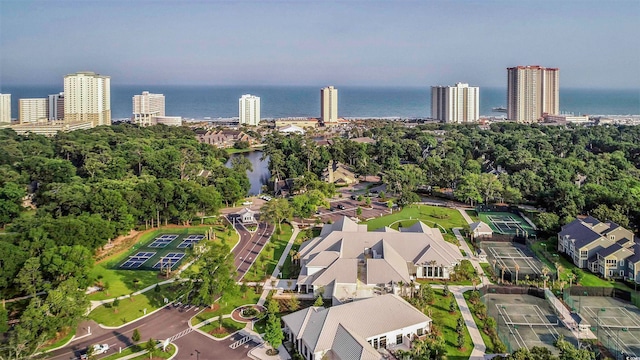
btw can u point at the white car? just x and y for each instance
(100, 349)
(247, 203)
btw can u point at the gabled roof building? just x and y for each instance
(355, 330)
(348, 262)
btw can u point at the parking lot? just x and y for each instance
(349, 207)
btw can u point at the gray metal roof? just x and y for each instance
(580, 232)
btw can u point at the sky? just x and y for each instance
(596, 44)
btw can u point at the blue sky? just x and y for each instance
(596, 44)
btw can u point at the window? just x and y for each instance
(621, 263)
(420, 332)
(399, 339)
(375, 343)
(584, 253)
(621, 272)
(383, 342)
(611, 262)
(610, 272)
(612, 237)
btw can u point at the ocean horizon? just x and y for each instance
(200, 101)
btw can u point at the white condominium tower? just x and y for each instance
(146, 107)
(249, 110)
(56, 107)
(329, 105)
(5, 108)
(87, 98)
(531, 92)
(33, 110)
(455, 104)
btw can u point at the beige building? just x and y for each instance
(455, 104)
(329, 105)
(33, 110)
(5, 108)
(87, 98)
(50, 128)
(532, 91)
(147, 106)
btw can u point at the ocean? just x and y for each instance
(303, 101)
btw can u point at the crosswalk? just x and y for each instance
(180, 334)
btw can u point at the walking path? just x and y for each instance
(464, 214)
(274, 276)
(479, 347)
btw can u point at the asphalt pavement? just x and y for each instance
(249, 246)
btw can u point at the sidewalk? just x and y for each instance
(274, 276)
(479, 347)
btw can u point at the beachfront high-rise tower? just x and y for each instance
(455, 104)
(87, 97)
(56, 107)
(249, 110)
(532, 91)
(329, 105)
(5, 108)
(33, 110)
(146, 107)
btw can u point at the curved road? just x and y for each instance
(173, 319)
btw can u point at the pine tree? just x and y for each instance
(136, 335)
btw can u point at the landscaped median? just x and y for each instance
(227, 304)
(270, 255)
(129, 309)
(171, 350)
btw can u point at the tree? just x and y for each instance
(216, 275)
(244, 289)
(151, 347)
(29, 278)
(115, 304)
(319, 301)
(548, 222)
(276, 211)
(452, 306)
(460, 342)
(445, 290)
(273, 331)
(545, 271)
(135, 336)
(4, 320)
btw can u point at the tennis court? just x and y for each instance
(189, 241)
(507, 223)
(525, 321)
(163, 240)
(135, 261)
(615, 323)
(169, 261)
(509, 256)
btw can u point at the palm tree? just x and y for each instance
(545, 271)
(401, 285)
(558, 269)
(571, 277)
(517, 267)
(503, 268)
(413, 286)
(494, 265)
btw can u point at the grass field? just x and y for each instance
(132, 308)
(123, 282)
(432, 216)
(447, 323)
(226, 306)
(269, 256)
(229, 326)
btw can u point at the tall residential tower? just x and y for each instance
(329, 105)
(33, 111)
(87, 98)
(56, 107)
(5, 108)
(532, 91)
(146, 107)
(455, 104)
(249, 110)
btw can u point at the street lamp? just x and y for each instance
(197, 354)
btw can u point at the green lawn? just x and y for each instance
(132, 308)
(473, 215)
(433, 216)
(123, 282)
(430, 215)
(302, 237)
(238, 151)
(61, 341)
(227, 305)
(229, 326)
(268, 258)
(486, 338)
(447, 323)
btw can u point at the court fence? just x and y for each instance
(569, 294)
(513, 290)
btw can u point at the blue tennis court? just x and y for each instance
(169, 260)
(137, 260)
(189, 241)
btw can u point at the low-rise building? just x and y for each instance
(224, 138)
(601, 247)
(337, 173)
(348, 262)
(355, 330)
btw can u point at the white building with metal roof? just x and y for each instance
(355, 330)
(347, 262)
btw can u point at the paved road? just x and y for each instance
(210, 349)
(249, 246)
(161, 325)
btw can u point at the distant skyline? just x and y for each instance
(595, 44)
